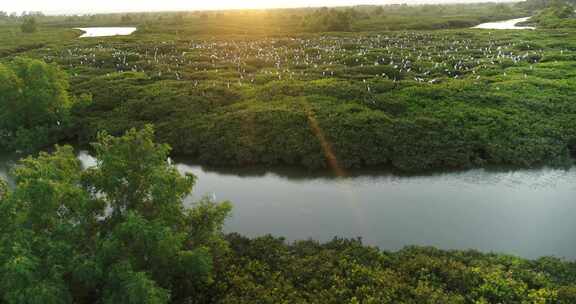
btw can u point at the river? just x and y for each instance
(529, 213)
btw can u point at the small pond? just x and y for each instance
(90, 32)
(506, 25)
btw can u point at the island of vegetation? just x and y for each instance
(412, 88)
(406, 87)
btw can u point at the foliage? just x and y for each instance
(329, 20)
(260, 87)
(34, 104)
(117, 232)
(276, 22)
(475, 98)
(269, 270)
(268, 87)
(557, 14)
(29, 25)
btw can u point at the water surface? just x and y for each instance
(529, 213)
(106, 31)
(506, 25)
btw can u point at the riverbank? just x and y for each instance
(150, 224)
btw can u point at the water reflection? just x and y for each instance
(524, 212)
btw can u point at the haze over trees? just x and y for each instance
(29, 25)
(558, 14)
(330, 20)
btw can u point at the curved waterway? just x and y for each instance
(506, 25)
(90, 32)
(529, 213)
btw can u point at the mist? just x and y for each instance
(110, 6)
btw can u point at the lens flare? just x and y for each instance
(324, 143)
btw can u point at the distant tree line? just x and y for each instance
(536, 5)
(330, 20)
(556, 14)
(29, 25)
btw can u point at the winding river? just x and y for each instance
(529, 213)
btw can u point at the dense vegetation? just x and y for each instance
(294, 21)
(119, 233)
(262, 87)
(267, 87)
(29, 25)
(557, 15)
(34, 104)
(116, 233)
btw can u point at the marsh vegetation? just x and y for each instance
(408, 88)
(241, 88)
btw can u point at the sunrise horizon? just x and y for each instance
(61, 8)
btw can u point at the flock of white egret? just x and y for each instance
(415, 56)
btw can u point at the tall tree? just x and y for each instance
(116, 233)
(29, 25)
(34, 101)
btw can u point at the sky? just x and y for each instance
(103, 6)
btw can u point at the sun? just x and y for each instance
(253, 4)
(263, 4)
(72, 6)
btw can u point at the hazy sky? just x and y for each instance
(93, 6)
